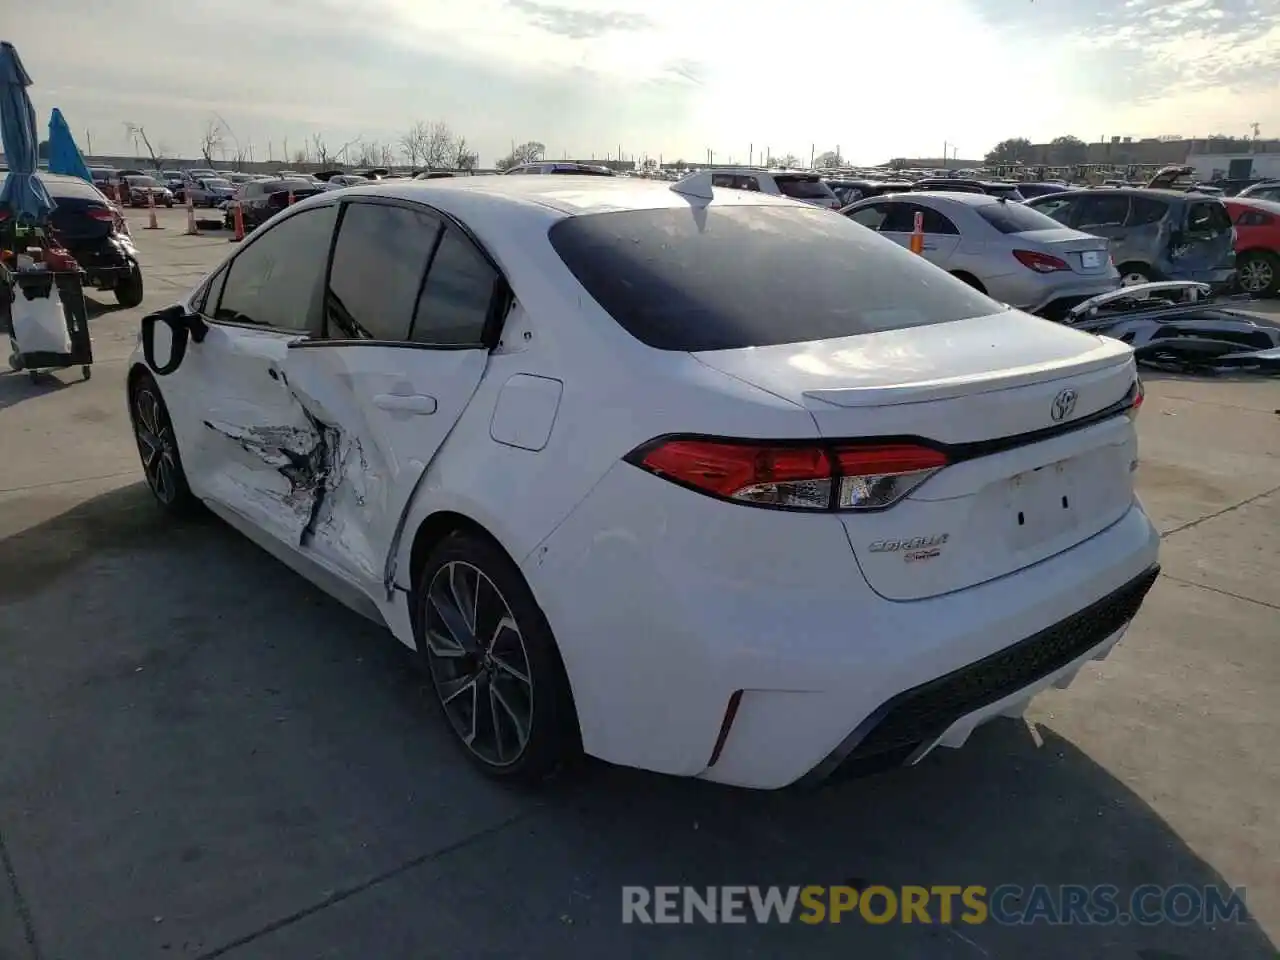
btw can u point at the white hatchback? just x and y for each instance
(709, 483)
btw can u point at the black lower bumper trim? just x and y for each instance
(917, 717)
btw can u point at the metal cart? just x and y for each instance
(70, 285)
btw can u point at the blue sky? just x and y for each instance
(670, 77)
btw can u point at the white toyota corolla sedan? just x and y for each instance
(705, 482)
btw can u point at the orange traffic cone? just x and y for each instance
(192, 229)
(917, 234)
(152, 222)
(239, 222)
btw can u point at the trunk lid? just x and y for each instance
(1023, 485)
(1086, 254)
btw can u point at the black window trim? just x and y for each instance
(499, 304)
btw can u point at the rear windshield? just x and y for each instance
(67, 188)
(1008, 191)
(803, 188)
(726, 277)
(1010, 217)
(143, 181)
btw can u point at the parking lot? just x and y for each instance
(205, 756)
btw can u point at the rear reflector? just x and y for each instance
(1139, 395)
(1041, 262)
(843, 476)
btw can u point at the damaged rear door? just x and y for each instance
(410, 304)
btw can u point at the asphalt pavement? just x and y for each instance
(201, 755)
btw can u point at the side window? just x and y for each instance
(378, 263)
(935, 222)
(748, 183)
(871, 216)
(1252, 218)
(1145, 210)
(275, 281)
(901, 218)
(1059, 209)
(1208, 219)
(1103, 211)
(723, 180)
(458, 294)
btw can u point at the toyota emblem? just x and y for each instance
(1063, 405)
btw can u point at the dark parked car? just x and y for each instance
(260, 200)
(89, 226)
(995, 188)
(140, 188)
(1154, 234)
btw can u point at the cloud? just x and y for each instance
(579, 24)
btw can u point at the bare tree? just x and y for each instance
(529, 152)
(413, 141)
(438, 147)
(386, 155)
(320, 150)
(212, 139)
(464, 158)
(159, 152)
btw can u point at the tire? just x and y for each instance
(1132, 274)
(971, 280)
(1258, 273)
(501, 657)
(129, 289)
(168, 205)
(158, 448)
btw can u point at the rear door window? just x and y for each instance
(1058, 209)
(1145, 210)
(391, 244)
(741, 276)
(871, 216)
(458, 296)
(1103, 211)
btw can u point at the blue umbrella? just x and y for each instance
(64, 156)
(22, 192)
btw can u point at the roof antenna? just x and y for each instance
(695, 185)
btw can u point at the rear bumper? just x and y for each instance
(1043, 297)
(667, 606)
(945, 710)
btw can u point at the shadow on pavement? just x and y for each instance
(17, 385)
(204, 756)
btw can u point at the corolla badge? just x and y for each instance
(1064, 404)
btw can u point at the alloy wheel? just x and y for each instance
(479, 663)
(156, 445)
(1256, 275)
(1132, 280)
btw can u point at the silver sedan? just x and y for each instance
(1012, 253)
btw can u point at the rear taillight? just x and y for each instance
(837, 476)
(1139, 394)
(1041, 262)
(101, 213)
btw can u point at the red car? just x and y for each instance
(1257, 224)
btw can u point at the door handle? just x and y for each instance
(414, 403)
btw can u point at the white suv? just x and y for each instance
(796, 184)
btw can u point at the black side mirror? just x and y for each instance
(180, 326)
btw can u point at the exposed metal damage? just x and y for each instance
(321, 463)
(1181, 326)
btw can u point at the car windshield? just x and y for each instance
(726, 277)
(803, 188)
(1008, 217)
(143, 182)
